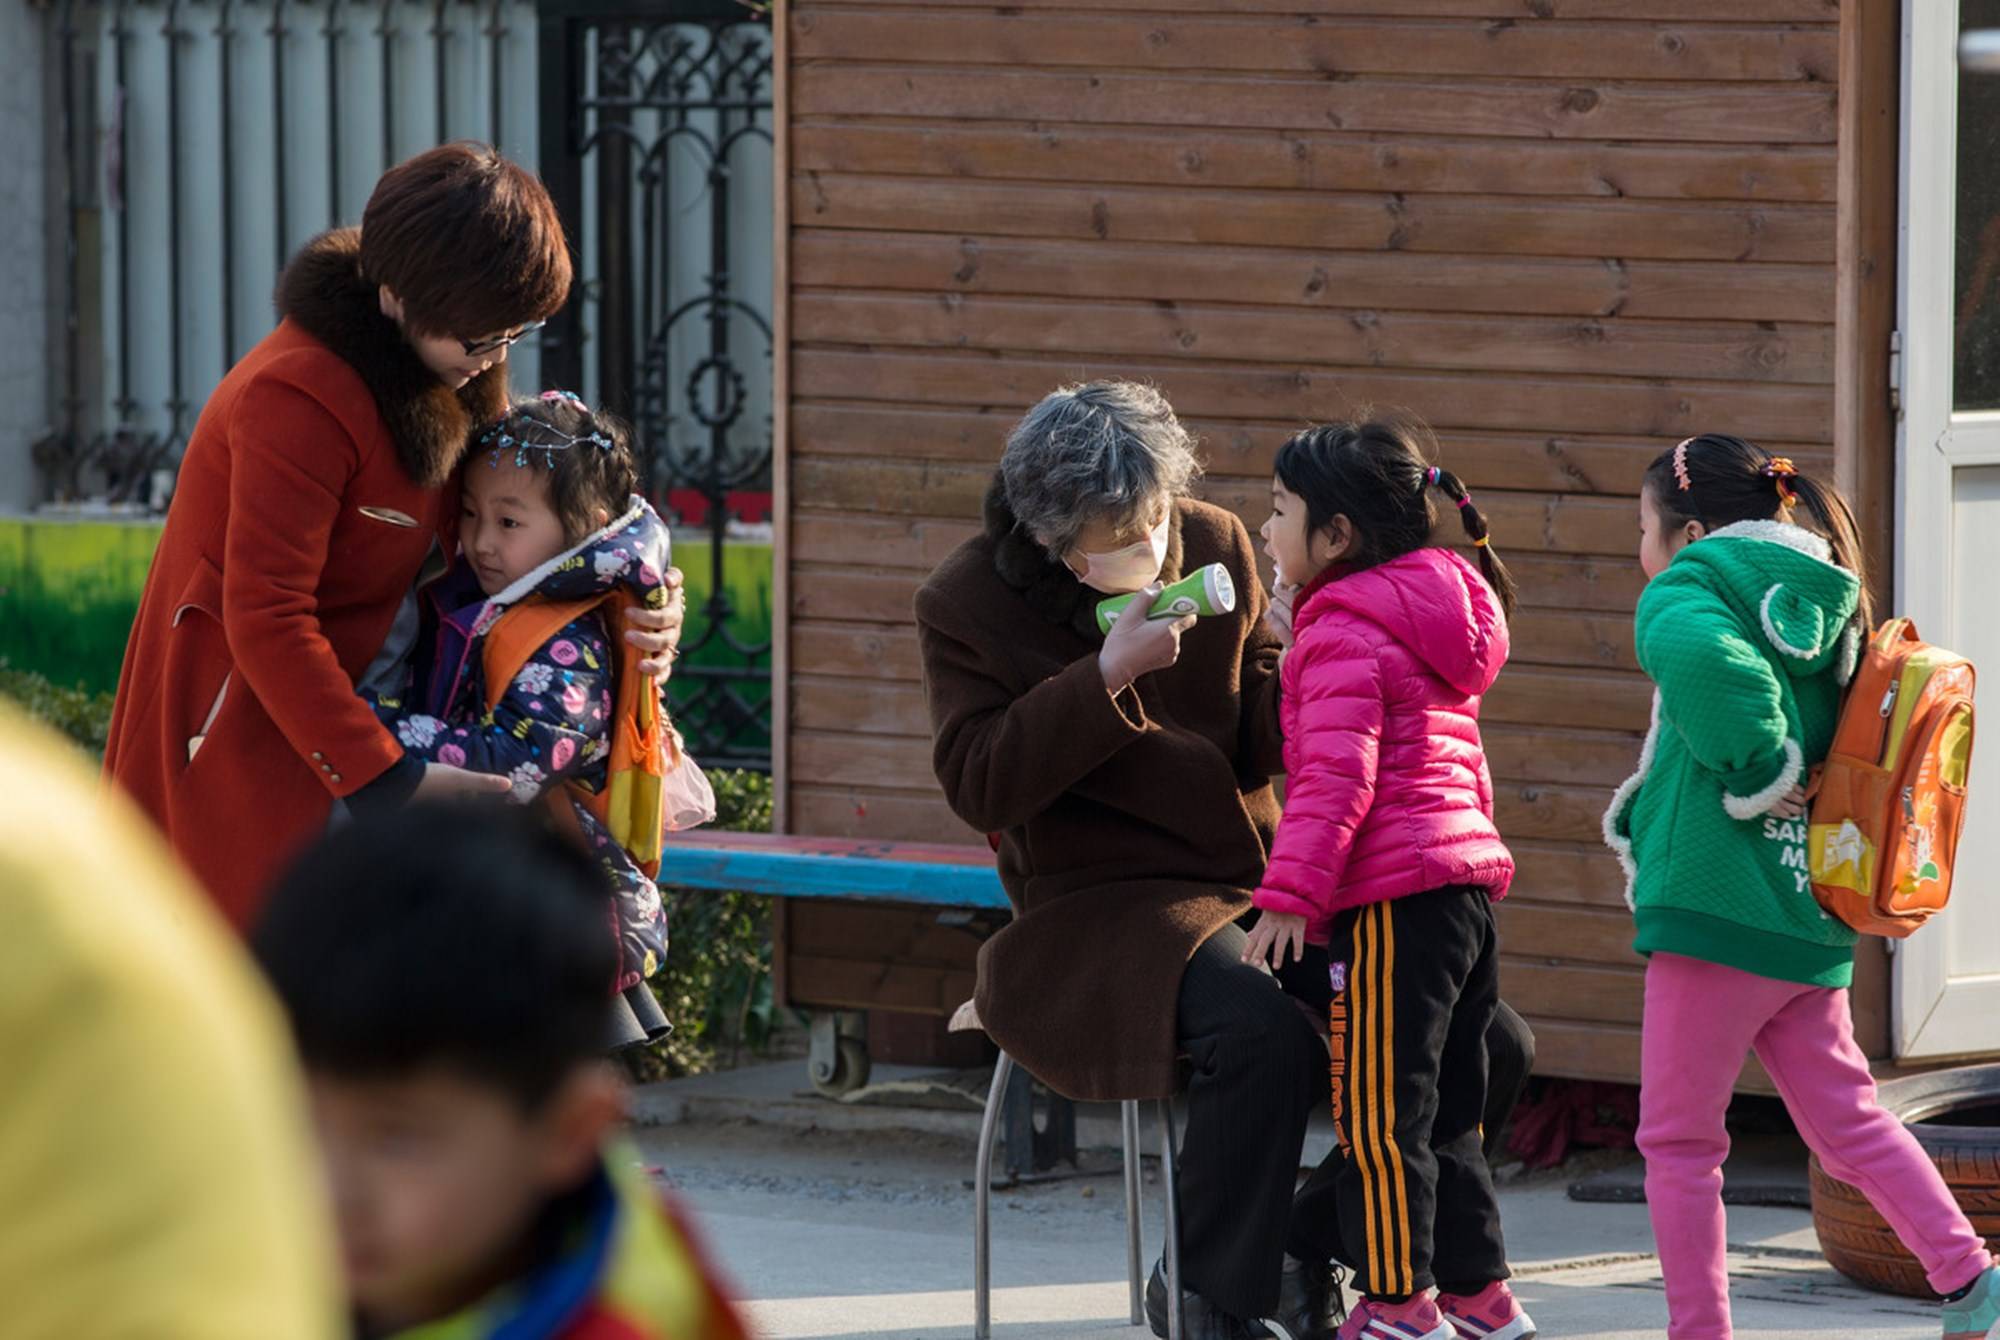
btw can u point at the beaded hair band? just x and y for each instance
(550, 439)
(1681, 466)
(1781, 471)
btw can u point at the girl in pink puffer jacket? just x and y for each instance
(1388, 855)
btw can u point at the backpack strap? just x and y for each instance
(521, 632)
(632, 805)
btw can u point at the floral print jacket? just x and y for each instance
(552, 724)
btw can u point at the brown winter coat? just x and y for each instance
(1131, 828)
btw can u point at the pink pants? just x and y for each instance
(1700, 1020)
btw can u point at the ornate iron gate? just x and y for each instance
(655, 143)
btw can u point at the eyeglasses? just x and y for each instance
(474, 348)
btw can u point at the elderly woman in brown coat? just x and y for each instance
(1128, 780)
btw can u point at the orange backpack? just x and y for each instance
(1890, 802)
(632, 806)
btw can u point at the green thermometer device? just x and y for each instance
(1208, 590)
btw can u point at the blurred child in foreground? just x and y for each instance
(445, 973)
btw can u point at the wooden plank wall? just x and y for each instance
(1568, 232)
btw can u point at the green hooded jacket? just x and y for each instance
(1750, 638)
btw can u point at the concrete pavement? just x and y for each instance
(861, 1226)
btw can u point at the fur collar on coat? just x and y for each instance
(324, 292)
(1046, 583)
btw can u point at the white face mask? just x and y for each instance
(1126, 570)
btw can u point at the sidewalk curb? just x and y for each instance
(658, 1105)
(1098, 1125)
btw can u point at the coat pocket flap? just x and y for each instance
(203, 592)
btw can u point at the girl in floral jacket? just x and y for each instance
(537, 534)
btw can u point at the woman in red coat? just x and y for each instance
(312, 497)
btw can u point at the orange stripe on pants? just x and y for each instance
(1399, 1190)
(1377, 1158)
(1368, 1104)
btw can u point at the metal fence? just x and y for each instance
(200, 142)
(657, 135)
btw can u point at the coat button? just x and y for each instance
(335, 777)
(317, 756)
(326, 767)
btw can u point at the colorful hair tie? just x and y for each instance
(1434, 478)
(1681, 466)
(1781, 471)
(1482, 542)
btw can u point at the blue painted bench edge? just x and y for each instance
(795, 875)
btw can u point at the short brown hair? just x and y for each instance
(586, 454)
(469, 241)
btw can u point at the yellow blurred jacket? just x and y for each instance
(156, 1178)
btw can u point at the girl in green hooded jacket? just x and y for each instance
(1750, 627)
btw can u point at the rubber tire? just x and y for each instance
(1856, 1240)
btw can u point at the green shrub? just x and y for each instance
(716, 986)
(82, 715)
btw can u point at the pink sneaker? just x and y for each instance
(1490, 1314)
(1418, 1319)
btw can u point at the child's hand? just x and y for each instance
(1272, 934)
(1278, 618)
(1793, 805)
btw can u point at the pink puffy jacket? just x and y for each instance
(1387, 791)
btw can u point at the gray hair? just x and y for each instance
(1102, 450)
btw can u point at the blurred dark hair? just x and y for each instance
(1376, 472)
(585, 476)
(1731, 480)
(470, 938)
(470, 241)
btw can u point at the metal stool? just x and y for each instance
(982, 1278)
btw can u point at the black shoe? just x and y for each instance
(1309, 1303)
(1202, 1320)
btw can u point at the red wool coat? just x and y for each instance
(309, 496)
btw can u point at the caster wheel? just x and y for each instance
(838, 1064)
(848, 1072)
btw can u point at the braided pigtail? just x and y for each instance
(1479, 533)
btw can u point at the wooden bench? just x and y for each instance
(859, 926)
(812, 867)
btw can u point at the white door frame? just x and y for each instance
(1929, 1016)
